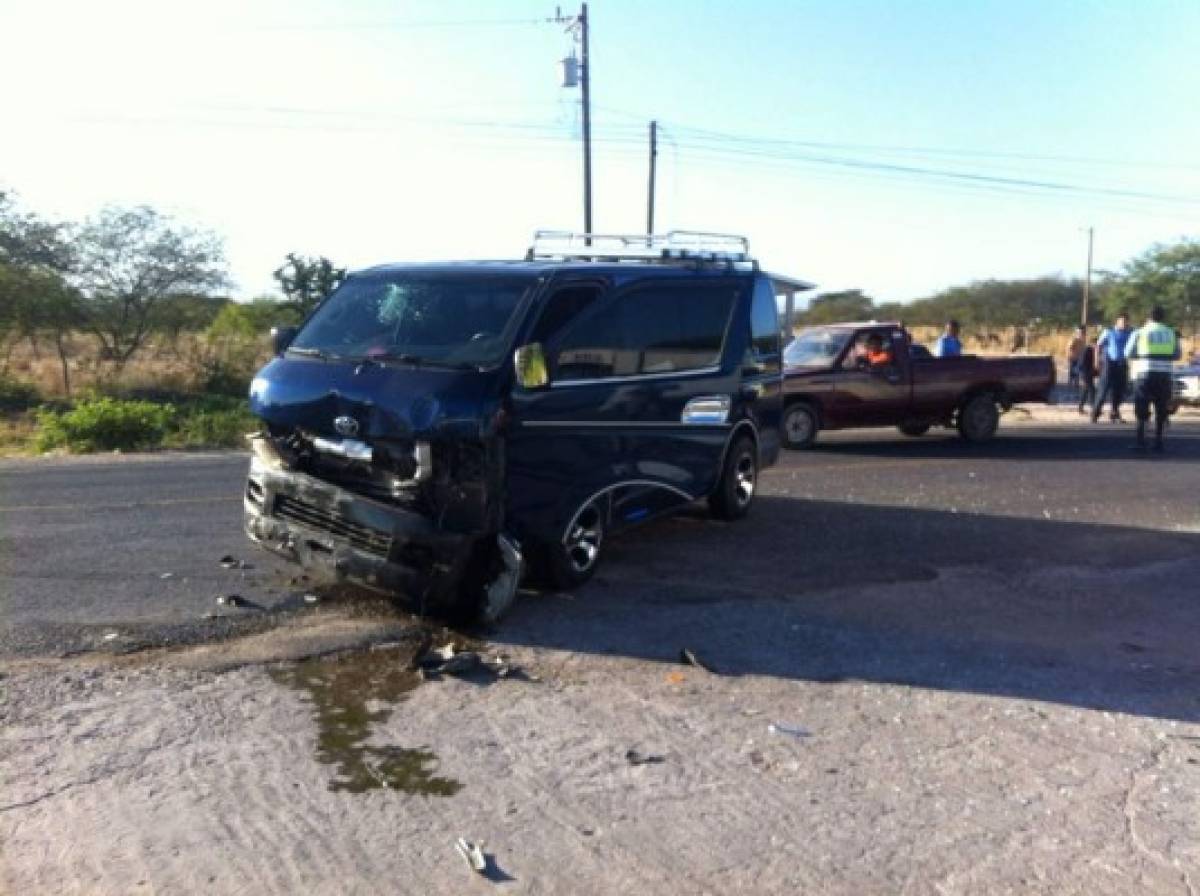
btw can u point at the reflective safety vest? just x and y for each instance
(1153, 349)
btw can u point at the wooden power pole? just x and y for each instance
(653, 161)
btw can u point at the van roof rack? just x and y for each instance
(675, 247)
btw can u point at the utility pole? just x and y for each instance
(587, 121)
(1087, 283)
(579, 73)
(653, 160)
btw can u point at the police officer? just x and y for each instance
(1152, 352)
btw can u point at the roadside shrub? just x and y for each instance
(210, 427)
(218, 378)
(17, 396)
(104, 424)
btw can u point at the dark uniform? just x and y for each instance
(1152, 352)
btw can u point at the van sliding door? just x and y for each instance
(612, 426)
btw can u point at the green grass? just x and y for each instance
(103, 423)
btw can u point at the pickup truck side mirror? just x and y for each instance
(281, 338)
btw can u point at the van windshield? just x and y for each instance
(457, 321)
(817, 347)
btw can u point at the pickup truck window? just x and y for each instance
(873, 348)
(658, 328)
(817, 347)
(419, 319)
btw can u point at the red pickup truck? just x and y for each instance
(852, 375)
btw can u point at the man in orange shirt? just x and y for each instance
(877, 355)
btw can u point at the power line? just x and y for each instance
(400, 25)
(619, 137)
(718, 136)
(983, 178)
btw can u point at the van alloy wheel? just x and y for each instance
(582, 544)
(734, 491)
(745, 478)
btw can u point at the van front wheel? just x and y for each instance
(489, 587)
(739, 479)
(572, 561)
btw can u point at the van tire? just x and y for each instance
(735, 490)
(560, 565)
(799, 425)
(978, 418)
(489, 585)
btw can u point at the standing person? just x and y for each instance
(1074, 352)
(1114, 369)
(948, 344)
(1152, 351)
(1087, 373)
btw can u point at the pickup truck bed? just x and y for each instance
(830, 384)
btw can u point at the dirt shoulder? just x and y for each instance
(207, 769)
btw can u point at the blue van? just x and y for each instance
(437, 429)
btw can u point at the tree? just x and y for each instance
(308, 281)
(34, 296)
(30, 242)
(1163, 275)
(185, 313)
(832, 307)
(127, 260)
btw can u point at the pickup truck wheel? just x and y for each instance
(914, 429)
(799, 426)
(739, 479)
(979, 418)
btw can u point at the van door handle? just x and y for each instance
(712, 410)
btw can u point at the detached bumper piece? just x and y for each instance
(346, 537)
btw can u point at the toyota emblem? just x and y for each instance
(346, 426)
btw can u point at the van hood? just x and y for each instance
(385, 401)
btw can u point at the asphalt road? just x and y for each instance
(114, 553)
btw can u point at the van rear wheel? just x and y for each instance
(739, 480)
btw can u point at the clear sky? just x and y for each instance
(846, 139)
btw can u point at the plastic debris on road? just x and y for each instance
(473, 854)
(689, 659)
(790, 730)
(637, 757)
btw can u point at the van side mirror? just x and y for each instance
(281, 338)
(530, 363)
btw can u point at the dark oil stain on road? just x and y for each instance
(349, 695)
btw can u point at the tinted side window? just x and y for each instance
(563, 306)
(656, 328)
(764, 327)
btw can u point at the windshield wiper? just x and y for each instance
(307, 352)
(417, 361)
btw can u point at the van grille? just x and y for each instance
(365, 538)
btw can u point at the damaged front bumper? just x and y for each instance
(344, 536)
